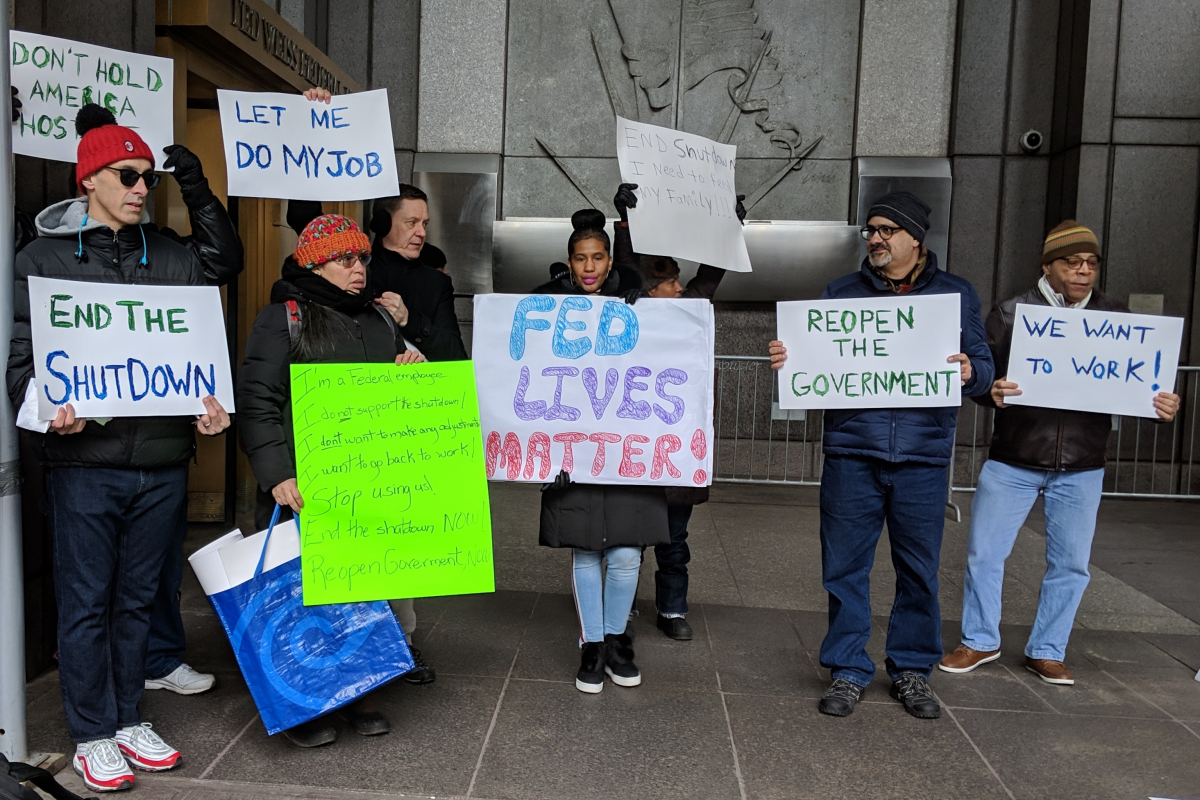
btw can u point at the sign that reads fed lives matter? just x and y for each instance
(283, 146)
(612, 393)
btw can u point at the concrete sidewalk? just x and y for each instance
(731, 714)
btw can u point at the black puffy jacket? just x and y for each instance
(1043, 438)
(264, 383)
(429, 296)
(115, 257)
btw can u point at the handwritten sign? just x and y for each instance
(283, 146)
(55, 77)
(120, 350)
(870, 353)
(1102, 361)
(389, 462)
(609, 392)
(686, 195)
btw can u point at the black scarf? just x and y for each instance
(318, 290)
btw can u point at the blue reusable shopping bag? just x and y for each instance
(304, 661)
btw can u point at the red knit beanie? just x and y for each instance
(103, 142)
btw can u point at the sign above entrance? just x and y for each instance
(55, 77)
(287, 147)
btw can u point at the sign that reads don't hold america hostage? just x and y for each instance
(118, 350)
(870, 352)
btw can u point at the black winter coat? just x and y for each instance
(1043, 438)
(133, 442)
(429, 296)
(264, 382)
(595, 516)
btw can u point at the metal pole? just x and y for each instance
(12, 593)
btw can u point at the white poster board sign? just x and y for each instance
(121, 350)
(283, 146)
(1103, 361)
(879, 352)
(55, 77)
(610, 392)
(686, 195)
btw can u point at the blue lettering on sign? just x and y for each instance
(563, 347)
(373, 165)
(606, 343)
(522, 322)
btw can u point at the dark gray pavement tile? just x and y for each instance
(788, 750)
(1044, 755)
(995, 685)
(437, 733)
(1185, 649)
(1094, 694)
(200, 726)
(1173, 689)
(1113, 650)
(552, 741)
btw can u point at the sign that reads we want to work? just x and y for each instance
(870, 353)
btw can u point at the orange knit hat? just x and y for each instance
(329, 237)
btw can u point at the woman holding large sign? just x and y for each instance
(323, 310)
(599, 522)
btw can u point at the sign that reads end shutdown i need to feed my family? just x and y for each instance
(1102, 361)
(55, 77)
(389, 461)
(686, 195)
(117, 350)
(283, 146)
(610, 392)
(870, 353)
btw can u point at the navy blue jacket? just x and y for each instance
(923, 435)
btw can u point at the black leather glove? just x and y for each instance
(625, 199)
(740, 209)
(16, 104)
(189, 174)
(561, 481)
(632, 296)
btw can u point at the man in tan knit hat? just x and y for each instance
(1056, 453)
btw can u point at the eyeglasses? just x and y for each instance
(1074, 262)
(885, 231)
(347, 261)
(130, 177)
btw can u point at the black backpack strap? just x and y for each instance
(40, 778)
(388, 317)
(293, 319)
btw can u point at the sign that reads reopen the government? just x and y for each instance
(283, 146)
(118, 350)
(55, 77)
(870, 352)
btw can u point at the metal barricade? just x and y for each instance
(757, 442)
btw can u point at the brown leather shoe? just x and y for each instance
(964, 659)
(1050, 671)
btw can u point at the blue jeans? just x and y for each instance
(1002, 502)
(671, 578)
(164, 651)
(604, 606)
(857, 496)
(112, 530)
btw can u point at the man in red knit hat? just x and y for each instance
(116, 489)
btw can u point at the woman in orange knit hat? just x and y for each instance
(324, 309)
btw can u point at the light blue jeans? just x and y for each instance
(1002, 502)
(603, 606)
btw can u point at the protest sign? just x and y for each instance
(55, 77)
(283, 146)
(878, 352)
(609, 392)
(389, 461)
(1103, 361)
(686, 196)
(122, 350)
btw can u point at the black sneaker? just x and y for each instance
(314, 733)
(619, 660)
(676, 628)
(421, 672)
(840, 698)
(913, 690)
(590, 677)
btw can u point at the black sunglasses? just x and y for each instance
(130, 177)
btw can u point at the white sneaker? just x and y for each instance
(145, 749)
(184, 680)
(102, 766)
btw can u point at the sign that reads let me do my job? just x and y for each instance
(870, 352)
(286, 147)
(1102, 361)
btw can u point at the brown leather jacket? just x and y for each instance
(1043, 438)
